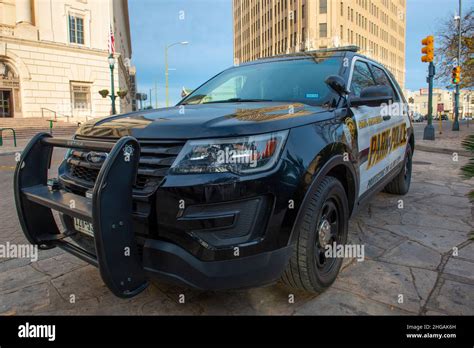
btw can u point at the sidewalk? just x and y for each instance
(448, 142)
(8, 149)
(409, 266)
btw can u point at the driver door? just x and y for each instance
(372, 129)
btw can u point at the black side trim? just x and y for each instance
(379, 186)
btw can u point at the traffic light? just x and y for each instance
(456, 75)
(428, 50)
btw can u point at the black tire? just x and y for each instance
(305, 270)
(400, 185)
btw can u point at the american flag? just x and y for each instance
(111, 41)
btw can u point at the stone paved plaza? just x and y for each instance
(409, 266)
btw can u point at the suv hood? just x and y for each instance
(205, 121)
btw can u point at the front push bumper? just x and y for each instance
(109, 210)
(125, 262)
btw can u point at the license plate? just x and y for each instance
(84, 227)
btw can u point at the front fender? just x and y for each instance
(317, 150)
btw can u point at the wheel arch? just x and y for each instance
(340, 169)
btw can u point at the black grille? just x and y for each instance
(83, 173)
(156, 158)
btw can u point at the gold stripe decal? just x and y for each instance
(383, 143)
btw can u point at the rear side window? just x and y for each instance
(381, 78)
(361, 78)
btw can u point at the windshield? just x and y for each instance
(298, 80)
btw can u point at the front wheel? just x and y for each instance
(322, 222)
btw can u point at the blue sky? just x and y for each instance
(423, 19)
(207, 25)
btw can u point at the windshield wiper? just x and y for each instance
(236, 100)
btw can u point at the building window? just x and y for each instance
(81, 96)
(76, 30)
(323, 6)
(323, 30)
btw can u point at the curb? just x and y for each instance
(445, 151)
(9, 153)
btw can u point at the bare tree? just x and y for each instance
(447, 49)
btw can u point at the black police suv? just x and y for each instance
(248, 180)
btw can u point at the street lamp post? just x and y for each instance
(155, 89)
(112, 86)
(456, 98)
(156, 95)
(166, 67)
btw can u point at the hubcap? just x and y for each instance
(328, 232)
(324, 232)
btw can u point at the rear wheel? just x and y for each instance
(322, 222)
(400, 185)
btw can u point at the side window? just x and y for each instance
(361, 78)
(382, 79)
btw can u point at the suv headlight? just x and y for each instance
(242, 155)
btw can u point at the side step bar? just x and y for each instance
(109, 210)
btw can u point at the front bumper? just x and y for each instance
(173, 264)
(194, 246)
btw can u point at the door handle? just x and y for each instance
(386, 117)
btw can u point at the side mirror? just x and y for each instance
(373, 96)
(337, 84)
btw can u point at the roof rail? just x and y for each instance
(351, 48)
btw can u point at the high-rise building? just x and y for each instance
(264, 28)
(54, 58)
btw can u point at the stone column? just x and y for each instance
(23, 11)
(24, 27)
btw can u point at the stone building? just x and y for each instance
(54, 58)
(443, 99)
(265, 28)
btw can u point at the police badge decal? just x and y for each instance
(350, 130)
